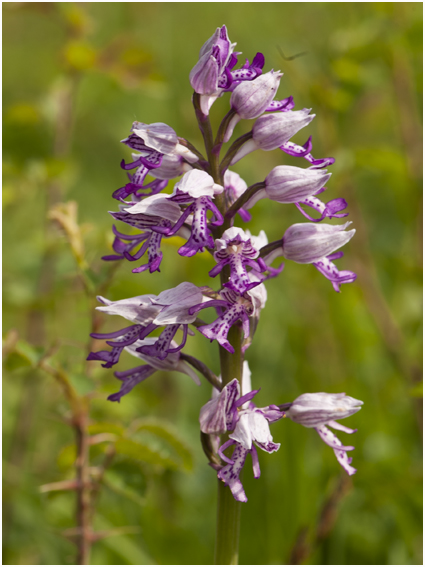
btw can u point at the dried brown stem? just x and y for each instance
(83, 511)
(307, 541)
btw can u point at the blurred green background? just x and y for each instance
(75, 78)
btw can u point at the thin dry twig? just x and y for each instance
(309, 539)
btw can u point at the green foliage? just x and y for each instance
(21, 355)
(76, 75)
(140, 452)
(171, 437)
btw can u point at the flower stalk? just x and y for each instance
(227, 528)
(228, 509)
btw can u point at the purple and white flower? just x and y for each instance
(272, 130)
(130, 378)
(214, 57)
(321, 410)
(155, 228)
(140, 311)
(158, 137)
(250, 99)
(213, 74)
(148, 312)
(235, 249)
(171, 167)
(192, 213)
(196, 189)
(235, 307)
(229, 411)
(150, 239)
(153, 141)
(306, 243)
(288, 184)
(156, 216)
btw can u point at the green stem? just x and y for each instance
(231, 364)
(268, 248)
(228, 509)
(205, 127)
(228, 521)
(203, 369)
(244, 198)
(233, 150)
(218, 142)
(191, 147)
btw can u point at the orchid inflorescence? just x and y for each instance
(202, 209)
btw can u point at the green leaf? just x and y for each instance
(127, 479)
(140, 452)
(124, 546)
(22, 355)
(169, 434)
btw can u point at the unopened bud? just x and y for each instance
(308, 242)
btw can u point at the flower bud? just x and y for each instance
(213, 57)
(271, 131)
(306, 243)
(313, 410)
(251, 98)
(288, 184)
